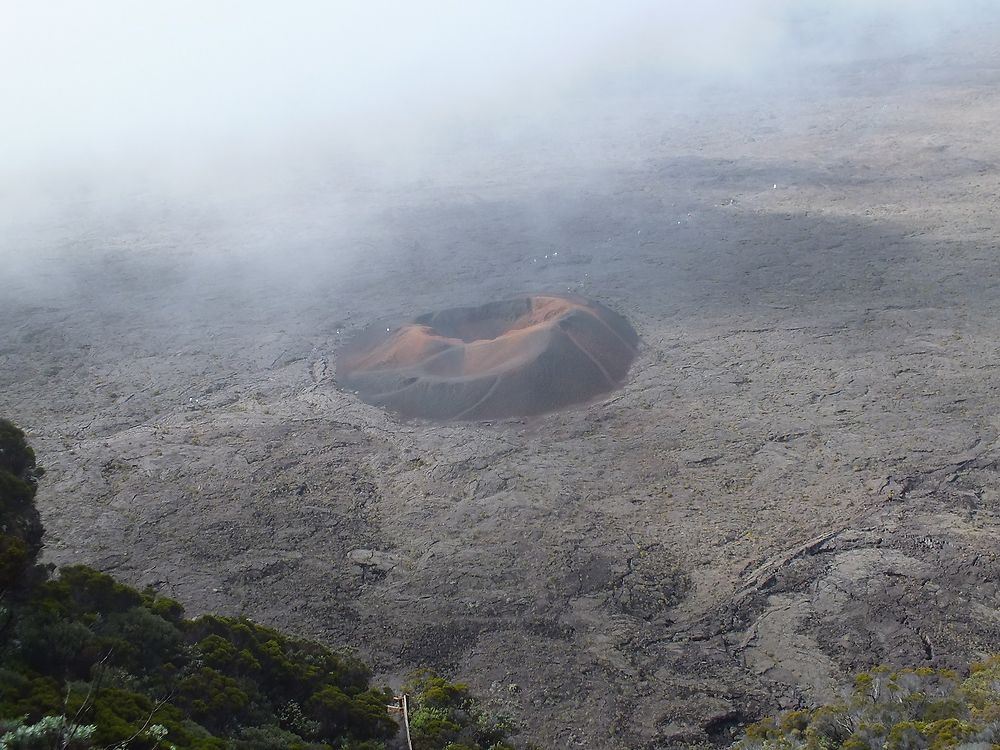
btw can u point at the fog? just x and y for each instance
(127, 87)
(240, 105)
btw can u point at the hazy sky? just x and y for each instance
(123, 86)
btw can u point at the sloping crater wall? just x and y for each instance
(516, 357)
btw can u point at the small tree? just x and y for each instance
(51, 732)
(20, 525)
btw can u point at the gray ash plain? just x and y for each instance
(799, 479)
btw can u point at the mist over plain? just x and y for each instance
(245, 120)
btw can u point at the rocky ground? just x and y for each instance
(798, 481)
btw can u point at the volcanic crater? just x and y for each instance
(516, 357)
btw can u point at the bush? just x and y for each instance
(128, 661)
(445, 715)
(909, 709)
(46, 733)
(20, 525)
(16, 456)
(204, 680)
(131, 669)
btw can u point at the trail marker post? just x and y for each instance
(401, 705)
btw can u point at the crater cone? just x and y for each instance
(516, 357)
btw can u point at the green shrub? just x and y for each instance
(127, 661)
(20, 525)
(909, 709)
(16, 456)
(14, 556)
(47, 733)
(445, 715)
(273, 738)
(129, 667)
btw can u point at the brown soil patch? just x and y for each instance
(521, 356)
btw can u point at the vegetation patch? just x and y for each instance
(86, 662)
(908, 709)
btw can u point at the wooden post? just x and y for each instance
(403, 707)
(406, 720)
